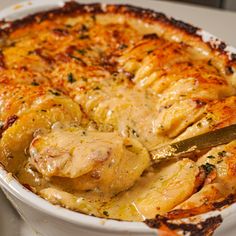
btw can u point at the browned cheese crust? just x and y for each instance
(126, 72)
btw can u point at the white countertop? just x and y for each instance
(10, 221)
(218, 22)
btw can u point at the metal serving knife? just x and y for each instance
(194, 145)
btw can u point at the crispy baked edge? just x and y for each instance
(72, 8)
(188, 31)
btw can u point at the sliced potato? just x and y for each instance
(16, 139)
(218, 114)
(157, 192)
(221, 159)
(170, 186)
(208, 194)
(65, 199)
(89, 159)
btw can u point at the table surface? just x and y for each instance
(217, 22)
(10, 221)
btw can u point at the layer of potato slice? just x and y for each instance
(208, 194)
(89, 160)
(68, 200)
(174, 69)
(220, 179)
(16, 139)
(171, 186)
(129, 110)
(222, 160)
(217, 114)
(157, 192)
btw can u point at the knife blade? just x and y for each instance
(194, 145)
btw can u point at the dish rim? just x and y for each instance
(10, 184)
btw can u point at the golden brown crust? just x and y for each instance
(202, 228)
(205, 207)
(73, 8)
(70, 71)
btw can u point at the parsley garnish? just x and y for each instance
(84, 78)
(71, 78)
(149, 51)
(133, 132)
(122, 46)
(84, 28)
(78, 59)
(210, 157)
(84, 36)
(96, 88)
(208, 168)
(54, 92)
(93, 17)
(81, 51)
(34, 83)
(222, 154)
(129, 146)
(209, 119)
(105, 213)
(199, 125)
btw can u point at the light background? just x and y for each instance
(218, 22)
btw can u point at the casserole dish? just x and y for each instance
(51, 220)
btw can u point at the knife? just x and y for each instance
(194, 145)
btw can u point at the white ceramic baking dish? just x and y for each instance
(49, 220)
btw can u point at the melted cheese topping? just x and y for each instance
(83, 101)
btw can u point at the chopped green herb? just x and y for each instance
(84, 78)
(209, 62)
(209, 119)
(210, 157)
(84, 28)
(93, 17)
(222, 154)
(34, 83)
(68, 26)
(134, 133)
(199, 125)
(96, 88)
(54, 92)
(129, 146)
(81, 51)
(71, 78)
(78, 59)
(122, 46)
(30, 52)
(105, 213)
(83, 36)
(208, 168)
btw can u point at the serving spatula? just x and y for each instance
(194, 145)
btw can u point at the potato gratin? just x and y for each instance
(87, 90)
